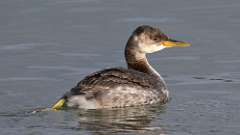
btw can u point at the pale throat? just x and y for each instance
(138, 61)
(135, 54)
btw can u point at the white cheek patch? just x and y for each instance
(151, 48)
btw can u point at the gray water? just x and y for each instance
(47, 46)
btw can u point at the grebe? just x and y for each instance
(139, 84)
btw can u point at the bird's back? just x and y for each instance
(118, 87)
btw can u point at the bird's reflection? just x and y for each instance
(130, 119)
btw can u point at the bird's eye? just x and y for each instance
(155, 39)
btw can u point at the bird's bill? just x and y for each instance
(174, 43)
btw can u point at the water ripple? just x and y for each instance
(24, 46)
(152, 20)
(28, 79)
(68, 68)
(81, 54)
(206, 79)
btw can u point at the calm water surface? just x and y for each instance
(46, 47)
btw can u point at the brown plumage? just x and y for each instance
(97, 85)
(139, 84)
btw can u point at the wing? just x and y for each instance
(114, 77)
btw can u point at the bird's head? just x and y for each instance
(147, 39)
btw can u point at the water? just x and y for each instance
(47, 46)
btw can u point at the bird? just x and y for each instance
(138, 84)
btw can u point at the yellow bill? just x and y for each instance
(59, 104)
(174, 43)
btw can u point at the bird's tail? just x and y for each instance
(59, 104)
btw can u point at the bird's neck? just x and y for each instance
(138, 61)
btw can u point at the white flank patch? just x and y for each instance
(82, 102)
